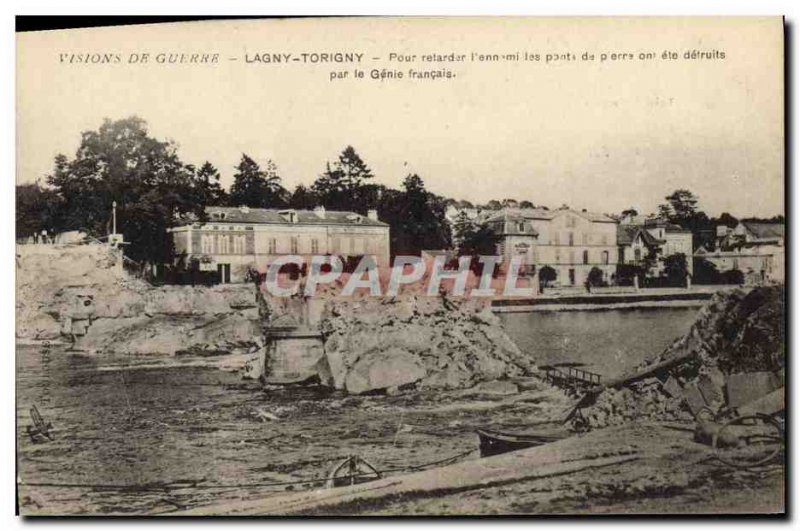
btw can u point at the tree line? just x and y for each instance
(154, 189)
(122, 162)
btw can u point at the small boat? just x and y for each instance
(495, 443)
(352, 471)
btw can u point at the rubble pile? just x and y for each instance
(81, 294)
(416, 341)
(734, 353)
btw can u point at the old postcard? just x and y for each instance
(401, 266)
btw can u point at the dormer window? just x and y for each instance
(288, 215)
(219, 215)
(354, 218)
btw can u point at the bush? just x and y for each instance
(734, 276)
(595, 278)
(547, 275)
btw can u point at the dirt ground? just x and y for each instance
(139, 436)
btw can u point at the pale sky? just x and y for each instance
(602, 136)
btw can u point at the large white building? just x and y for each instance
(235, 239)
(569, 241)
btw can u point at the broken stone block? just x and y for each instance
(747, 387)
(673, 388)
(694, 398)
(394, 367)
(711, 392)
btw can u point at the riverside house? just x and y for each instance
(639, 238)
(754, 248)
(235, 239)
(569, 241)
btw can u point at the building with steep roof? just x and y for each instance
(755, 248)
(569, 241)
(639, 238)
(235, 239)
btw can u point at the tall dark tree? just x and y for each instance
(727, 220)
(682, 204)
(303, 198)
(208, 182)
(682, 209)
(344, 184)
(152, 187)
(256, 187)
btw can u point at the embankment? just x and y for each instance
(81, 294)
(735, 352)
(369, 344)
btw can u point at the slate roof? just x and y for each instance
(626, 235)
(541, 213)
(274, 216)
(765, 231)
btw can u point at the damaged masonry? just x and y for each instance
(384, 266)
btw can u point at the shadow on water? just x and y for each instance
(609, 342)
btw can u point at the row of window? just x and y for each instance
(223, 244)
(570, 239)
(570, 258)
(236, 244)
(294, 245)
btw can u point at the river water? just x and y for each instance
(125, 427)
(609, 342)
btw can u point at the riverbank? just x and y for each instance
(642, 468)
(600, 299)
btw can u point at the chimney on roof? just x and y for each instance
(320, 212)
(372, 214)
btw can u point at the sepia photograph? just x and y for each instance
(401, 266)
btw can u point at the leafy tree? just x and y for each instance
(494, 204)
(630, 212)
(510, 203)
(526, 204)
(675, 269)
(343, 185)
(152, 187)
(774, 219)
(683, 204)
(255, 187)
(478, 240)
(37, 209)
(681, 209)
